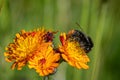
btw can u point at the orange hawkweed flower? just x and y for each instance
(72, 52)
(45, 61)
(25, 46)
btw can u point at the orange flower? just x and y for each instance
(45, 61)
(73, 53)
(25, 46)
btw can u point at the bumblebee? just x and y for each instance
(84, 41)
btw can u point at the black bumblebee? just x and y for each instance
(85, 41)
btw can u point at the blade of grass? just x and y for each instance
(96, 57)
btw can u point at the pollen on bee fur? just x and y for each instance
(84, 40)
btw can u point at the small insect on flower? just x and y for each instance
(49, 36)
(84, 40)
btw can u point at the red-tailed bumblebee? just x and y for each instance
(84, 41)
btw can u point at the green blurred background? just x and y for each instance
(99, 19)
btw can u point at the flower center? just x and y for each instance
(42, 61)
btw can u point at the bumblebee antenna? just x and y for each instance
(79, 26)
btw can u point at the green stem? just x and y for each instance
(46, 78)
